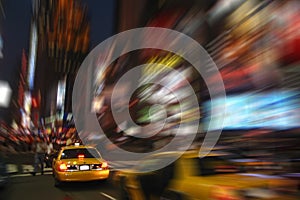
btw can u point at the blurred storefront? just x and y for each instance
(187, 17)
(63, 41)
(254, 45)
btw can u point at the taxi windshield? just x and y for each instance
(76, 153)
(152, 163)
(216, 165)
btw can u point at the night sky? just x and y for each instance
(102, 15)
(15, 33)
(15, 30)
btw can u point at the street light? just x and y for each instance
(5, 94)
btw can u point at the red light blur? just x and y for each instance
(104, 165)
(34, 103)
(62, 167)
(81, 156)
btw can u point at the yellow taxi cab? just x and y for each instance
(79, 163)
(192, 177)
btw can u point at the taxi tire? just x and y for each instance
(171, 195)
(123, 192)
(57, 183)
(102, 181)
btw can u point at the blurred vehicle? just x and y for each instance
(192, 177)
(3, 172)
(79, 163)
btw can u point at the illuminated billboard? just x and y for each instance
(278, 110)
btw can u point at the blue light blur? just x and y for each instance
(278, 110)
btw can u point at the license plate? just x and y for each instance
(84, 167)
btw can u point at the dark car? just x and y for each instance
(49, 158)
(3, 172)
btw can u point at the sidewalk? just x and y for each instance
(21, 162)
(22, 169)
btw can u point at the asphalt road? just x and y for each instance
(41, 187)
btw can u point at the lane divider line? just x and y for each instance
(107, 196)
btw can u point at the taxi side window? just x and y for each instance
(206, 166)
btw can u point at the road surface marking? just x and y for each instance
(20, 175)
(107, 196)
